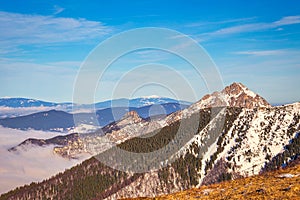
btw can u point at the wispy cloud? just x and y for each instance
(287, 21)
(197, 24)
(54, 68)
(8, 49)
(14, 112)
(21, 29)
(262, 52)
(295, 53)
(151, 55)
(252, 27)
(57, 9)
(66, 64)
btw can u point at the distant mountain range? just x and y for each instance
(123, 102)
(23, 102)
(61, 121)
(226, 135)
(14, 107)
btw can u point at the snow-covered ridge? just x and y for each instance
(151, 97)
(249, 140)
(254, 138)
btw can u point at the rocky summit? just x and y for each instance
(234, 95)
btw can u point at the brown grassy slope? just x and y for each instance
(280, 184)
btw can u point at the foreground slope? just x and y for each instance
(279, 184)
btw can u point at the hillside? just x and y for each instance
(92, 179)
(279, 184)
(193, 147)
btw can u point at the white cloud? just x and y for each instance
(35, 164)
(68, 67)
(21, 111)
(287, 21)
(22, 29)
(57, 9)
(150, 55)
(13, 112)
(241, 29)
(197, 24)
(284, 53)
(8, 49)
(252, 27)
(68, 64)
(262, 53)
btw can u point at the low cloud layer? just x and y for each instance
(14, 112)
(33, 164)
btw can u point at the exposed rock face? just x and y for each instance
(131, 117)
(131, 125)
(234, 95)
(241, 96)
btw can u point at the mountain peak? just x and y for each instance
(236, 89)
(130, 118)
(151, 97)
(234, 95)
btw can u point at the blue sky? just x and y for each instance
(43, 43)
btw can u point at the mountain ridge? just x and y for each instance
(17, 102)
(61, 121)
(219, 143)
(15, 107)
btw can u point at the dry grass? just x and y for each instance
(280, 184)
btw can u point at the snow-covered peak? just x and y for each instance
(24, 103)
(151, 97)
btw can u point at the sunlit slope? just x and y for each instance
(279, 184)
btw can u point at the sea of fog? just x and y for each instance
(33, 164)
